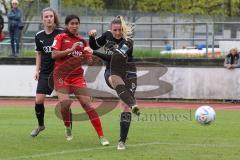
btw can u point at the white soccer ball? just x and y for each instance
(205, 115)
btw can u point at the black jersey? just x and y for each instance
(105, 38)
(44, 43)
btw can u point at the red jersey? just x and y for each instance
(71, 64)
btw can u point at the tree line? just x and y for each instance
(228, 8)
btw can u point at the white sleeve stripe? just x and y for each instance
(124, 55)
(131, 72)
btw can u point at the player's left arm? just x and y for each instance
(130, 50)
(103, 56)
(87, 53)
(57, 45)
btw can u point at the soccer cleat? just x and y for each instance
(104, 141)
(121, 146)
(136, 110)
(68, 134)
(37, 130)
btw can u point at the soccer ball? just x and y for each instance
(205, 115)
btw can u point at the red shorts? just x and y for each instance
(69, 84)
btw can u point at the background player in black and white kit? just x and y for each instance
(120, 73)
(44, 63)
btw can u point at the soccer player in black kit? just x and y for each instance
(44, 63)
(120, 73)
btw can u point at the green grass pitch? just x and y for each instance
(158, 134)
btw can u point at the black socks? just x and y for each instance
(125, 122)
(40, 110)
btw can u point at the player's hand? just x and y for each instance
(74, 46)
(36, 76)
(88, 55)
(92, 32)
(88, 50)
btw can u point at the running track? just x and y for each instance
(142, 104)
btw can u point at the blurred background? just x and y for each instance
(163, 28)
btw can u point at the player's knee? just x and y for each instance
(62, 107)
(115, 80)
(65, 104)
(126, 108)
(87, 107)
(39, 99)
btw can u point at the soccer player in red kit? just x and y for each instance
(70, 50)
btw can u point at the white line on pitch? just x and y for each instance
(110, 147)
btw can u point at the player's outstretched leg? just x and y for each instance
(127, 98)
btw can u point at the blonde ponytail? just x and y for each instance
(127, 29)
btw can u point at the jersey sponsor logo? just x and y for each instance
(108, 52)
(76, 53)
(47, 49)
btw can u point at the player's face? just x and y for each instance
(116, 31)
(48, 19)
(73, 26)
(233, 51)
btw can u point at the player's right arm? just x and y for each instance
(38, 58)
(96, 43)
(56, 54)
(38, 65)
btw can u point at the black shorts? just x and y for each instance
(118, 65)
(45, 85)
(130, 80)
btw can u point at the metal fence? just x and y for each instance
(155, 35)
(152, 30)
